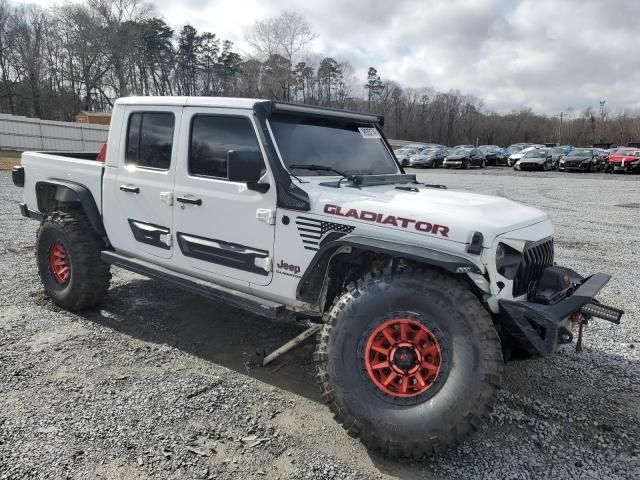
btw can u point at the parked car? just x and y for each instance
(603, 155)
(428, 157)
(464, 158)
(404, 154)
(624, 160)
(494, 154)
(514, 157)
(583, 159)
(557, 153)
(536, 159)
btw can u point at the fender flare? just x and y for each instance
(51, 190)
(313, 284)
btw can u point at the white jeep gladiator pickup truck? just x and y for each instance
(275, 207)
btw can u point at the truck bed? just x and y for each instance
(77, 167)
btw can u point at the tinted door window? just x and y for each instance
(212, 137)
(150, 139)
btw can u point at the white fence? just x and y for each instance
(23, 133)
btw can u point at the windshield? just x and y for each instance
(535, 154)
(460, 151)
(627, 153)
(514, 149)
(579, 152)
(348, 146)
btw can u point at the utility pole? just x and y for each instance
(560, 128)
(602, 114)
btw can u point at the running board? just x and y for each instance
(234, 298)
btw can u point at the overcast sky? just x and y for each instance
(544, 54)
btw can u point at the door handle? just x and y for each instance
(129, 189)
(190, 200)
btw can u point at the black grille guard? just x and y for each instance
(539, 328)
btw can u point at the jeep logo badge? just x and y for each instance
(287, 268)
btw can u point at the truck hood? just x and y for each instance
(445, 214)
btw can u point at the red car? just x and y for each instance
(624, 160)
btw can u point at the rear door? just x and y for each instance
(223, 229)
(145, 178)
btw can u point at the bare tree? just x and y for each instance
(286, 35)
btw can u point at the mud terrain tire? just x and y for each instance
(463, 392)
(68, 257)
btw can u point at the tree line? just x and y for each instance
(82, 56)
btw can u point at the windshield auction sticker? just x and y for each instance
(368, 132)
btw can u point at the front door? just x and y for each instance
(144, 183)
(223, 229)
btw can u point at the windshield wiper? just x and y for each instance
(324, 168)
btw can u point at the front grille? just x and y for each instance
(535, 259)
(574, 164)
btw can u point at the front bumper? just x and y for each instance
(530, 166)
(582, 167)
(539, 328)
(419, 163)
(617, 167)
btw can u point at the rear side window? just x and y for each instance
(150, 139)
(212, 137)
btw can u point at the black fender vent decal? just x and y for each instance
(223, 253)
(154, 235)
(313, 231)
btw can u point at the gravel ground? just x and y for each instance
(160, 384)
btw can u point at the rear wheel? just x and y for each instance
(409, 362)
(69, 264)
(405, 163)
(465, 165)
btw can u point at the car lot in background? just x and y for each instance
(563, 157)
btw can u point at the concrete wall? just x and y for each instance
(23, 133)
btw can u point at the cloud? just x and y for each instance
(543, 54)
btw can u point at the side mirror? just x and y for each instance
(246, 166)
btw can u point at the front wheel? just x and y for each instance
(409, 362)
(68, 257)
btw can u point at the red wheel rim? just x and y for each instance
(59, 263)
(403, 357)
